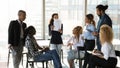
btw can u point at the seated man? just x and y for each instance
(33, 49)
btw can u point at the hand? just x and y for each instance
(96, 51)
(45, 49)
(60, 31)
(70, 44)
(95, 33)
(52, 27)
(10, 47)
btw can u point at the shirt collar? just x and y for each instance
(102, 16)
(19, 21)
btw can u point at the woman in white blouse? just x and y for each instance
(106, 58)
(75, 41)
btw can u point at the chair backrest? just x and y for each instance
(80, 48)
(117, 53)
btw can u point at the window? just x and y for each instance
(33, 10)
(114, 15)
(71, 12)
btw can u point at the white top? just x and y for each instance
(108, 50)
(57, 24)
(87, 32)
(76, 43)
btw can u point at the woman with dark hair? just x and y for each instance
(33, 49)
(103, 19)
(55, 31)
(88, 36)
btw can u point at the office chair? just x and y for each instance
(118, 55)
(79, 48)
(31, 62)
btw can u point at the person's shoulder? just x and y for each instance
(13, 22)
(107, 45)
(107, 16)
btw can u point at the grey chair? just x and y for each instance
(79, 48)
(31, 62)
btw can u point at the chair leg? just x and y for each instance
(61, 55)
(32, 65)
(22, 59)
(8, 59)
(43, 64)
(27, 61)
(46, 64)
(27, 65)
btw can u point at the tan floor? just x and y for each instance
(4, 53)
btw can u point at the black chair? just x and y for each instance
(79, 48)
(9, 52)
(31, 62)
(61, 56)
(117, 54)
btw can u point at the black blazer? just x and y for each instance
(14, 32)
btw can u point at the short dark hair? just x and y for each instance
(29, 30)
(21, 11)
(102, 7)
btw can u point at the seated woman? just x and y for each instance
(106, 58)
(33, 49)
(75, 41)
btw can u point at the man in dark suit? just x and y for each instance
(16, 37)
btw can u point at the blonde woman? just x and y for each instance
(106, 58)
(74, 41)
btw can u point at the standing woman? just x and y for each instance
(55, 31)
(103, 19)
(88, 36)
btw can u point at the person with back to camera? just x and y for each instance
(88, 36)
(75, 41)
(55, 31)
(105, 58)
(33, 49)
(103, 19)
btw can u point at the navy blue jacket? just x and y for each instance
(105, 19)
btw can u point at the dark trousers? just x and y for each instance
(89, 45)
(98, 44)
(96, 61)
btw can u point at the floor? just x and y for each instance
(4, 55)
